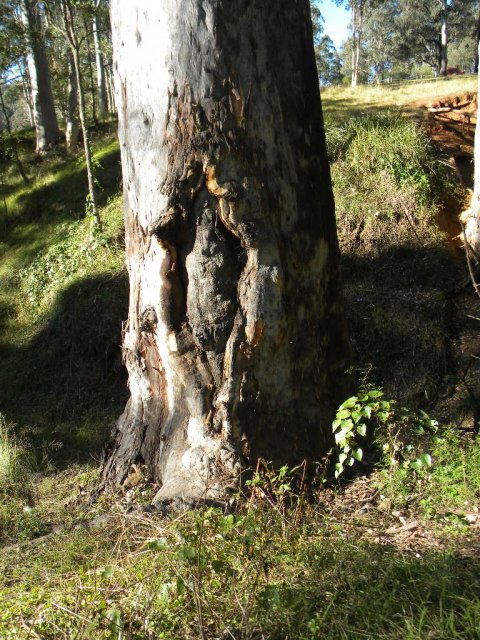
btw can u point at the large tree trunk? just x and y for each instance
(73, 127)
(43, 107)
(471, 217)
(444, 40)
(235, 342)
(101, 84)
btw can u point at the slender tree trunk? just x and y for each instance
(43, 107)
(359, 39)
(27, 92)
(110, 91)
(444, 40)
(101, 85)
(235, 342)
(354, 46)
(90, 74)
(73, 43)
(13, 142)
(86, 141)
(72, 129)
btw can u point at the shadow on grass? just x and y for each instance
(64, 197)
(401, 317)
(68, 384)
(362, 589)
(61, 200)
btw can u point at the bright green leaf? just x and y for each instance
(426, 458)
(362, 429)
(348, 404)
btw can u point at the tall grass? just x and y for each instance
(387, 180)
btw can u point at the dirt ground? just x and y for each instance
(450, 121)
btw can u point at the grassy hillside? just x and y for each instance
(343, 102)
(390, 550)
(62, 299)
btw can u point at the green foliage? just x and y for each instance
(397, 432)
(257, 570)
(19, 518)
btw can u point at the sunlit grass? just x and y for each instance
(342, 102)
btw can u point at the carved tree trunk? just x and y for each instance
(73, 127)
(101, 84)
(43, 107)
(235, 342)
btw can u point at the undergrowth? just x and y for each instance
(63, 296)
(276, 565)
(388, 186)
(387, 182)
(279, 561)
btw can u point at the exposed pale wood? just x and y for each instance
(235, 342)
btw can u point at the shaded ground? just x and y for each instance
(450, 121)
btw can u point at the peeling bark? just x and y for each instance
(235, 343)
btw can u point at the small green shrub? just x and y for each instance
(398, 432)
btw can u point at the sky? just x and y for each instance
(336, 21)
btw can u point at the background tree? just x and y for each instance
(42, 97)
(70, 25)
(72, 129)
(379, 37)
(357, 8)
(99, 61)
(234, 343)
(329, 64)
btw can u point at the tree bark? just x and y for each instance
(354, 46)
(90, 73)
(101, 84)
(27, 91)
(444, 39)
(46, 124)
(235, 342)
(471, 217)
(73, 128)
(110, 91)
(477, 42)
